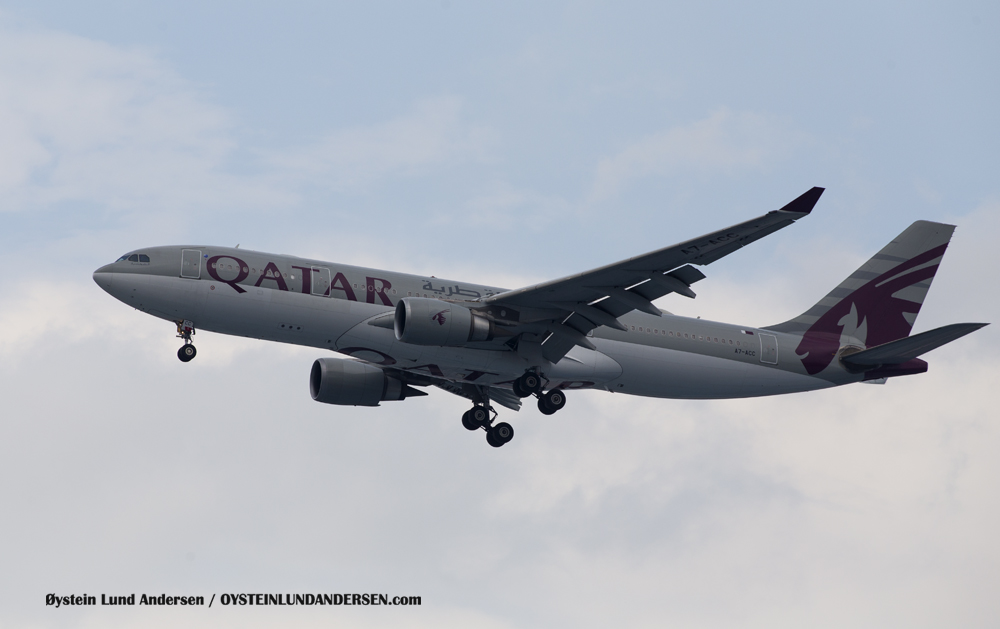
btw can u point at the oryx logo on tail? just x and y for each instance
(878, 303)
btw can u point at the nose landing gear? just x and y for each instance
(185, 330)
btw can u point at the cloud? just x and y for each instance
(432, 135)
(84, 121)
(81, 120)
(37, 310)
(502, 207)
(725, 141)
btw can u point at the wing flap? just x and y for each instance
(677, 281)
(481, 394)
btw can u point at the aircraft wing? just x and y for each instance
(570, 307)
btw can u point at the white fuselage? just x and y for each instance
(667, 356)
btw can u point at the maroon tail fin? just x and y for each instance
(878, 303)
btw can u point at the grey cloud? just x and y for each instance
(724, 141)
(432, 135)
(85, 121)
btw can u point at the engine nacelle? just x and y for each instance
(353, 383)
(421, 321)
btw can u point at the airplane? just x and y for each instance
(400, 333)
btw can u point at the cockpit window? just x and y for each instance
(135, 257)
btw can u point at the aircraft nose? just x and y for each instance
(104, 277)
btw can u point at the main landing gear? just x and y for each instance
(185, 330)
(551, 401)
(480, 416)
(530, 383)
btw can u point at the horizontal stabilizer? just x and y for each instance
(903, 350)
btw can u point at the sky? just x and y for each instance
(503, 144)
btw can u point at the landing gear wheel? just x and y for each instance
(187, 352)
(529, 383)
(503, 432)
(499, 434)
(552, 401)
(467, 421)
(476, 417)
(518, 391)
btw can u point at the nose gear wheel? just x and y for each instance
(187, 352)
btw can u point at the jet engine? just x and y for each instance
(353, 383)
(421, 321)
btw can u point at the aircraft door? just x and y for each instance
(768, 349)
(191, 263)
(320, 281)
